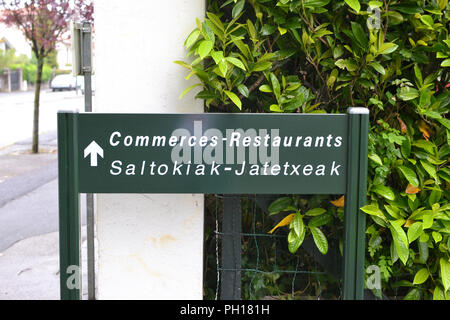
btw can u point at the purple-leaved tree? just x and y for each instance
(44, 23)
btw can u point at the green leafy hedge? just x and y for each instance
(29, 72)
(392, 57)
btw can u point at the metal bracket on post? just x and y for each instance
(355, 219)
(69, 216)
(81, 48)
(231, 248)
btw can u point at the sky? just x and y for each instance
(16, 38)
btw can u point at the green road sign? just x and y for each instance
(214, 153)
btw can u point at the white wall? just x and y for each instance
(150, 246)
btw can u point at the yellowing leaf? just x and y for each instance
(287, 220)
(402, 125)
(409, 223)
(282, 30)
(340, 203)
(425, 129)
(422, 43)
(410, 189)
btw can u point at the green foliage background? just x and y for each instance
(9, 59)
(309, 56)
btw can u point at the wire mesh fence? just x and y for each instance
(262, 266)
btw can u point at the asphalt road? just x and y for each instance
(16, 113)
(28, 182)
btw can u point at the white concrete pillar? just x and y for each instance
(149, 246)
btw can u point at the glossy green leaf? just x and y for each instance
(394, 212)
(438, 293)
(354, 4)
(235, 61)
(297, 224)
(413, 294)
(375, 158)
(378, 67)
(295, 240)
(360, 34)
(427, 20)
(265, 88)
(279, 205)
(407, 93)
(275, 86)
(205, 48)
(223, 67)
(261, 66)
(192, 38)
(406, 148)
(373, 210)
(423, 252)
(319, 239)
(242, 88)
(414, 231)
(421, 276)
(217, 56)
(321, 220)
(243, 48)
(437, 237)
(189, 89)
(429, 168)
(233, 97)
(427, 219)
(216, 20)
(268, 29)
(384, 191)
(400, 242)
(316, 3)
(275, 108)
(425, 145)
(237, 9)
(445, 272)
(315, 212)
(252, 30)
(410, 175)
(387, 48)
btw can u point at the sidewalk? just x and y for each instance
(29, 247)
(29, 270)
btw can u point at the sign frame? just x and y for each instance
(354, 219)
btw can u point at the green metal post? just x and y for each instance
(349, 268)
(354, 237)
(362, 196)
(69, 218)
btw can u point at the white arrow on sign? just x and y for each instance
(94, 150)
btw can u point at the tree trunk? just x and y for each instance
(37, 94)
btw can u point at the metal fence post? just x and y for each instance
(231, 248)
(69, 217)
(354, 237)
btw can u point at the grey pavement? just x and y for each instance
(28, 191)
(29, 270)
(29, 256)
(22, 172)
